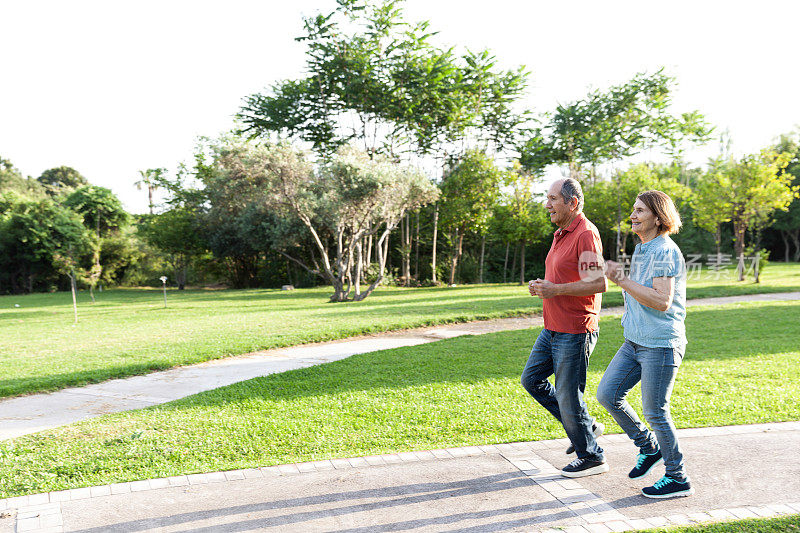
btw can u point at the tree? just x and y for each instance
(788, 222)
(341, 202)
(176, 233)
(102, 214)
(752, 188)
(61, 180)
(606, 126)
(606, 200)
(376, 81)
(469, 190)
(150, 178)
(711, 208)
(520, 216)
(34, 235)
(11, 180)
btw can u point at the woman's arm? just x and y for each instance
(658, 298)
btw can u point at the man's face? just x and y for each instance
(561, 213)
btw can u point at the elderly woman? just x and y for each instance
(655, 341)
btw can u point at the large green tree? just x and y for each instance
(520, 216)
(788, 222)
(376, 81)
(470, 189)
(12, 180)
(61, 180)
(606, 126)
(102, 214)
(176, 232)
(608, 203)
(34, 236)
(339, 203)
(752, 188)
(150, 179)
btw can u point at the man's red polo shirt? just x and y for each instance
(571, 314)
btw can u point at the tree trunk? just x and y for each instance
(359, 266)
(505, 263)
(785, 239)
(405, 237)
(74, 295)
(522, 264)
(416, 244)
(369, 250)
(380, 247)
(385, 255)
(435, 233)
(459, 240)
(739, 228)
(514, 260)
(795, 236)
(483, 248)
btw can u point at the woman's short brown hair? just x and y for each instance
(664, 209)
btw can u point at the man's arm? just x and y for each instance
(547, 289)
(589, 243)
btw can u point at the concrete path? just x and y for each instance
(30, 414)
(737, 472)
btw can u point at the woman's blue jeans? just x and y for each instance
(656, 368)
(565, 355)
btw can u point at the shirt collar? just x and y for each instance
(572, 226)
(657, 241)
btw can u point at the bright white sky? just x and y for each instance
(111, 88)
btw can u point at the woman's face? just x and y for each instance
(644, 221)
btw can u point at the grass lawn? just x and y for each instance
(128, 332)
(456, 392)
(783, 524)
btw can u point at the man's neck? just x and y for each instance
(570, 221)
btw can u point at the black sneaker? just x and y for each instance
(584, 467)
(666, 487)
(645, 463)
(597, 429)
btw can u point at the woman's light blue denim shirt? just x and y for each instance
(643, 325)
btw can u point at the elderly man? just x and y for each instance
(570, 296)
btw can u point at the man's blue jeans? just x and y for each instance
(656, 368)
(565, 355)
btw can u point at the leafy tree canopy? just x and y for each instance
(613, 124)
(61, 180)
(100, 208)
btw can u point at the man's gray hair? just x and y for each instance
(571, 188)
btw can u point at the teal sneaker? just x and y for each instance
(645, 463)
(666, 487)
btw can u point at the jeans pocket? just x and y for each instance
(673, 356)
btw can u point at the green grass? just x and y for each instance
(128, 332)
(457, 392)
(783, 524)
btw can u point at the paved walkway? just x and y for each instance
(33, 413)
(497, 488)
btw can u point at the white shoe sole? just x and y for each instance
(681, 494)
(599, 469)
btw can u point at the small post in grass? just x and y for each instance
(164, 283)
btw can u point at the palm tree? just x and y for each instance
(150, 180)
